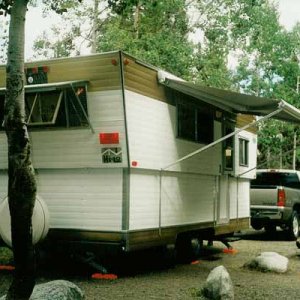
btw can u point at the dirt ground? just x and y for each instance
(145, 276)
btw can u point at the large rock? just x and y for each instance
(269, 261)
(56, 290)
(218, 285)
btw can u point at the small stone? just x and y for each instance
(269, 261)
(56, 290)
(218, 285)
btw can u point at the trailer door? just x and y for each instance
(223, 201)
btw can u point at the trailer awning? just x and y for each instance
(236, 102)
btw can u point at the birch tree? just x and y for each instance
(21, 179)
(21, 182)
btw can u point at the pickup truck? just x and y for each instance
(275, 201)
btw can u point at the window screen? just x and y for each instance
(194, 124)
(186, 122)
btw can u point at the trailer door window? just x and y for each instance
(243, 152)
(194, 124)
(228, 146)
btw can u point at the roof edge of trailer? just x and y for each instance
(50, 86)
(233, 101)
(40, 61)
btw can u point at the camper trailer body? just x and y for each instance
(104, 155)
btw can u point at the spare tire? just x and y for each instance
(40, 221)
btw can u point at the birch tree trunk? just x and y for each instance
(95, 26)
(136, 23)
(21, 182)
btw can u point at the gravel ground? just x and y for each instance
(145, 276)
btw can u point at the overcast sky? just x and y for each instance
(289, 12)
(35, 24)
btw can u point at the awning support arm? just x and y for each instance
(281, 107)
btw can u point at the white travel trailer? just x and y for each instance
(115, 145)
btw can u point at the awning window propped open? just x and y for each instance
(60, 104)
(236, 102)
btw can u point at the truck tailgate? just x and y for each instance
(263, 196)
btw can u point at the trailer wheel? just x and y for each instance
(187, 248)
(293, 229)
(168, 255)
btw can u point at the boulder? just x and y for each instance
(218, 285)
(56, 290)
(269, 262)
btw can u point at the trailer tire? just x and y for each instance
(187, 248)
(293, 228)
(40, 221)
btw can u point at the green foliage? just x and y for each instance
(123, 7)
(61, 6)
(62, 47)
(156, 31)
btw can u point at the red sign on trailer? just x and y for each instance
(109, 138)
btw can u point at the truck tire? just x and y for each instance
(270, 229)
(293, 229)
(257, 225)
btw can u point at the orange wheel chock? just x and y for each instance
(7, 267)
(104, 276)
(230, 251)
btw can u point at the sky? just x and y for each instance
(35, 24)
(289, 12)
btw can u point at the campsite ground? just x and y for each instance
(145, 276)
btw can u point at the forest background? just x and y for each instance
(230, 44)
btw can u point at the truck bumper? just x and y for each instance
(264, 215)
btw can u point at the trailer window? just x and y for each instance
(243, 152)
(1, 111)
(65, 107)
(42, 108)
(194, 124)
(54, 107)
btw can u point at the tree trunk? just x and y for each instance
(136, 23)
(21, 182)
(95, 26)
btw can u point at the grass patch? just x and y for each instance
(6, 255)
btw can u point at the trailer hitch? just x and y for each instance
(89, 258)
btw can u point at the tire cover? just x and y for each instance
(40, 221)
